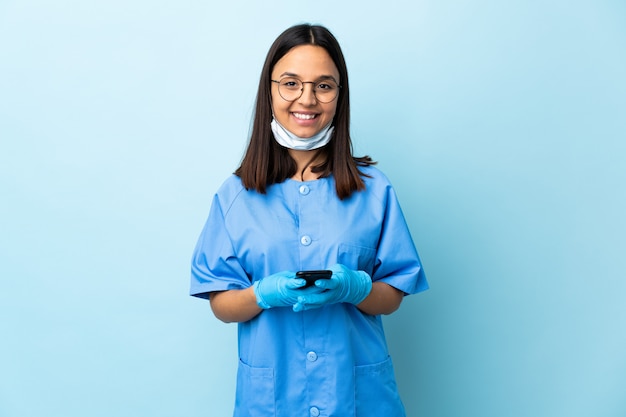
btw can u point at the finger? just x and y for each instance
(327, 284)
(310, 290)
(295, 283)
(301, 306)
(315, 299)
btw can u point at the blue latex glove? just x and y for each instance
(281, 290)
(344, 286)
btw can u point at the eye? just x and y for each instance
(291, 84)
(326, 86)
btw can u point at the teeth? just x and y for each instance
(304, 116)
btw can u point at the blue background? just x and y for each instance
(501, 124)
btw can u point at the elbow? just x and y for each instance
(223, 318)
(391, 309)
(227, 312)
(222, 314)
(218, 310)
(383, 299)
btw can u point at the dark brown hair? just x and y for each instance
(265, 161)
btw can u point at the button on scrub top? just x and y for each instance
(331, 361)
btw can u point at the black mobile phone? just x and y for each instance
(312, 276)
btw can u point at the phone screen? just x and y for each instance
(312, 276)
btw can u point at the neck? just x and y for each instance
(304, 161)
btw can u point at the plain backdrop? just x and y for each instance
(501, 124)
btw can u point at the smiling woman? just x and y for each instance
(305, 107)
(309, 55)
(301, 201)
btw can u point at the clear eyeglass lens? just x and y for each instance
(292, 88)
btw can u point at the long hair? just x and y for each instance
(265, 162)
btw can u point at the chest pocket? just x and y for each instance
(357, 257)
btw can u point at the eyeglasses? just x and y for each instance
(291, 89)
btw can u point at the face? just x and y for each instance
(305, 116)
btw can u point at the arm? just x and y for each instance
(235, 305)
(383, 299)
(281, 289)
(240, 305)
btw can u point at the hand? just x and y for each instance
(281, 290)
(344, 286)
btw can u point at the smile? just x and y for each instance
(302, 116)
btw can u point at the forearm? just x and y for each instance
(383, 299)
(235, 305)
(240, 305)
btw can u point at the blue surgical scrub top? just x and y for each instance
(331, 361)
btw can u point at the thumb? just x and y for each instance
(295, 283)
(327, 284)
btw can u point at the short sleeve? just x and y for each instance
(397, 261)
(214, 265)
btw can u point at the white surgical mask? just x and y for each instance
(291, 141)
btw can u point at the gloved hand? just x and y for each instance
(281, 290)
(344, 286)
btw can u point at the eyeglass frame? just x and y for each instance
(302, 89)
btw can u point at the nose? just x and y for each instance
(308, 97)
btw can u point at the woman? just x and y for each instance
(301, 201)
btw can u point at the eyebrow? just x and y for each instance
(320, 78)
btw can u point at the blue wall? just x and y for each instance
(502, 125)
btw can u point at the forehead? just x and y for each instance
(307, 62)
